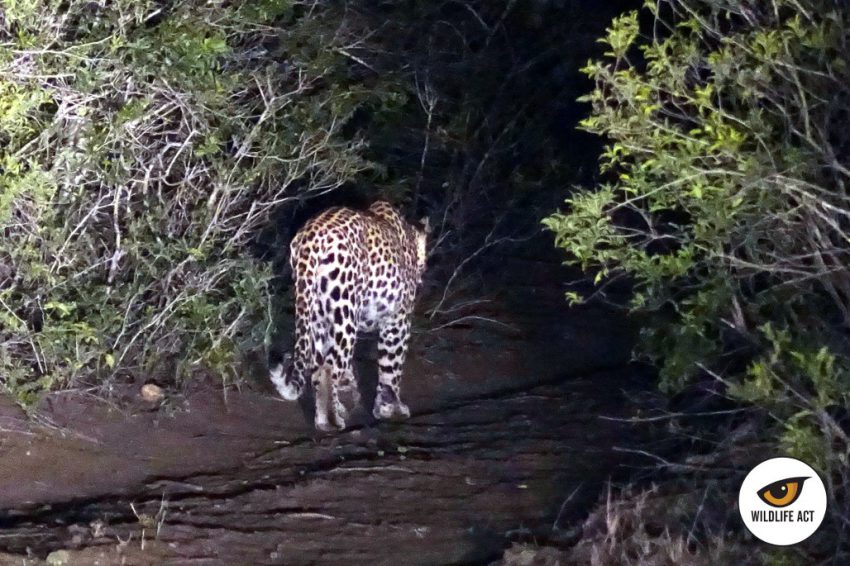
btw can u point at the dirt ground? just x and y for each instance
(505, 444)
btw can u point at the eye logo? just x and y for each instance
(782, 501)
(782, 493)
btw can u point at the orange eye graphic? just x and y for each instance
(782, 493)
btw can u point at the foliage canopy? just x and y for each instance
(142, 145)
(726, 203)
(152, 151)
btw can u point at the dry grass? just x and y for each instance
(649, 528)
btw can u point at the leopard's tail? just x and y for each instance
(312, 336)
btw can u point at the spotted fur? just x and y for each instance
(354, 271)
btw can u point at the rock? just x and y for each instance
(58, 558)
(526, 555)
(152, 393)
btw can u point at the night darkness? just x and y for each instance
(320, 282)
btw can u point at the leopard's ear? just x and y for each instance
(425, 225)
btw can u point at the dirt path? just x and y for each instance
(505, 428)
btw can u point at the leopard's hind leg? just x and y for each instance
(347, 386)
(335, 316)
(393, 337)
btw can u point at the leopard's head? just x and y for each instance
(422, 231)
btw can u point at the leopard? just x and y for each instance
(354, 271)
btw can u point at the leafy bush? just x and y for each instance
(145, 147)
(726, 204)
(141, 146)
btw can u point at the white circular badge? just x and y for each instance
(782, 501)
